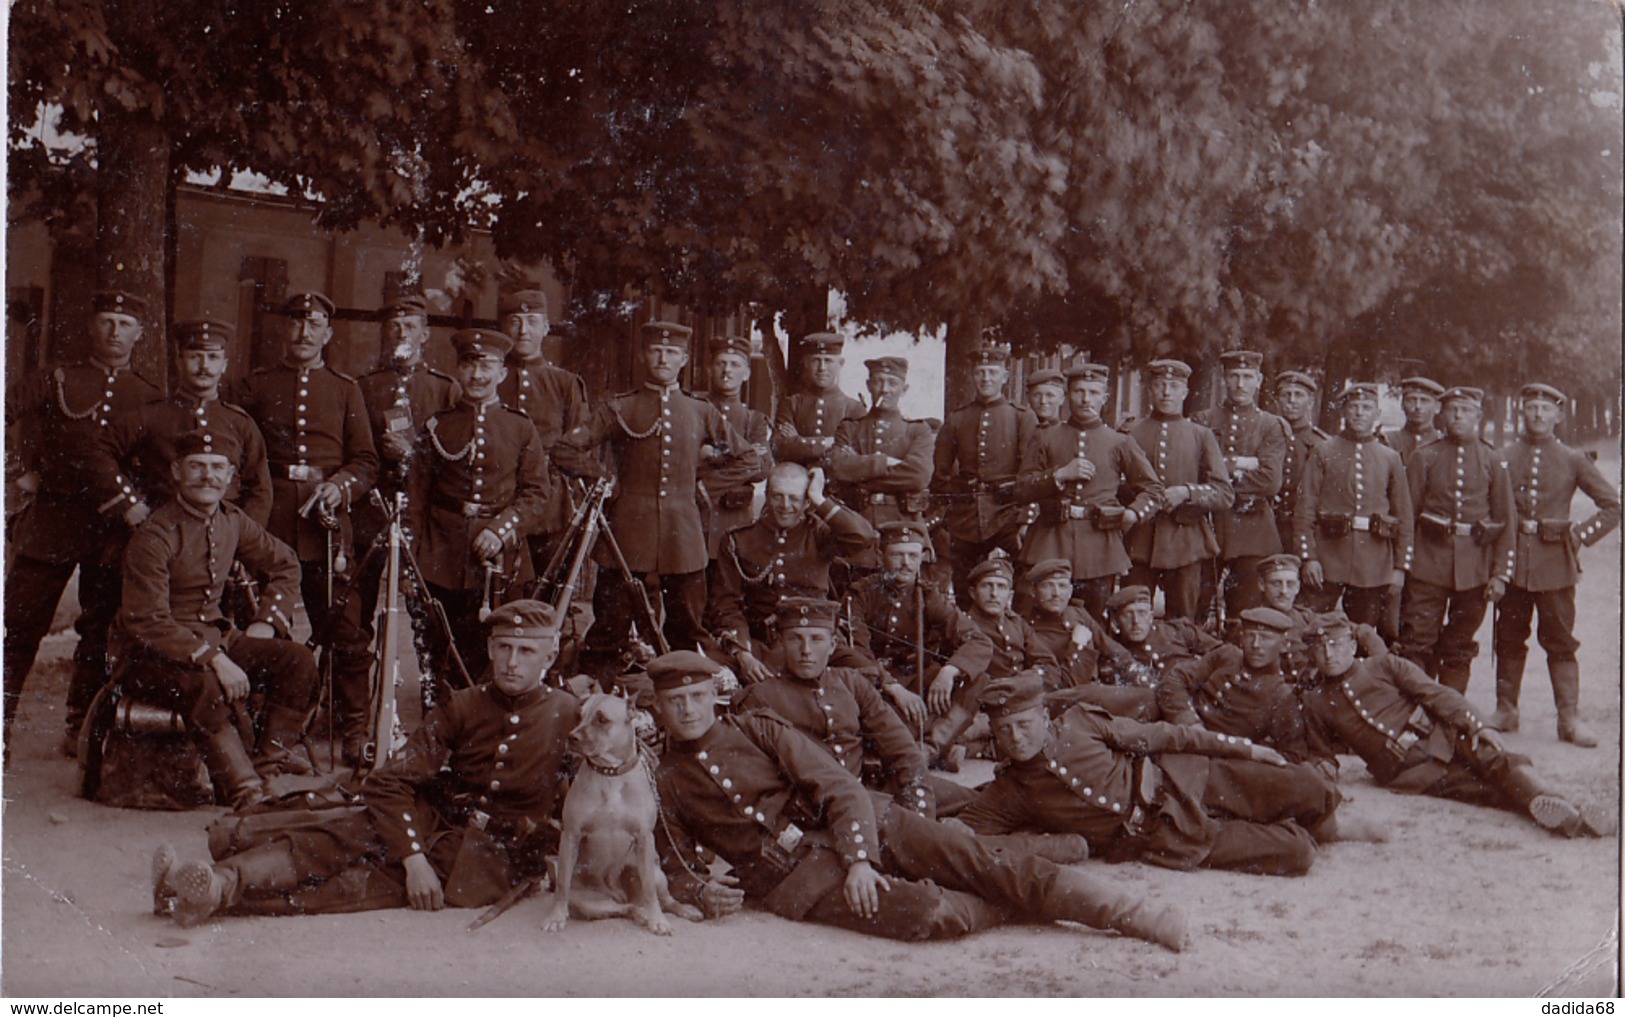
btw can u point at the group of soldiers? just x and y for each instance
(897, 590)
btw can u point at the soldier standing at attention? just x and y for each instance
(881, 464)
(1419, 399)
(400, 397)
(805, 424)
(130, 461)
(319, 446)
(554, 399)
(730, 493)
(475, 493)
(978, 455)
(1354, 522)
(1463, 504)
(1544, 474)
(1295, 394)
(1074, 471)
(53, 420)
(659, 436)
(1254, 445)
(1171, 545)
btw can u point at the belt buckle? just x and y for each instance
(790, 838)
(299, 471)
(1077, 512)
(1361, 523)
(1530, 526)
(479, 819)
(471, 509)
(1135, 823)
(1464, 529)
(877, 499)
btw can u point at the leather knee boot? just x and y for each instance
(1566, 691)
(1455, 676)
(279, 738)
(203, 890)
(1550, 810)
(1077, 897)
(1508, 683)
(231, 769)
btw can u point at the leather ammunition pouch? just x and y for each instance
(1188, 514)
(1434, 529)
(736, 498)
(1555, 531)
(915, 501)
(1487, 532)
(1384, 527)
(1335, 524)
(1108, 517)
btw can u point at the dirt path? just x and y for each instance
(1460, 901)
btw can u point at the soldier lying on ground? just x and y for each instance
(1151, 644)
(458, 816)
(810, 843)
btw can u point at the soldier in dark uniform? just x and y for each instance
(476, 491)
(400, 396)
(1240, 690)
(553, 398)
(1279, 579)
(1073, 636)
(322, 460)
(176, 647)
(659, 437)
(978, 454)
(129, 463)
(809, 843)
(730, 493)
(1175, 796)
(1463, 505)
(1544, 474)
(1254, 444)
(1016, 647)
(1419, 399)
(456, 818)
(1420, 737)
(52, 421)
(785, 553)
(1146, 646)
(1171, 545)
(1295, 394)
(1074, 471)
(805, 424)
(905, 624)
(1354, 523)
(881, 463)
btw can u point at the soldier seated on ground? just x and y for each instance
(177, 648)
(809, 843)
(1180, 797)
(457, 817)
(1280, 583)
(1151, 645)
(1421, 737)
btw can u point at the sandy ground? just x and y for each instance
(1460, 901)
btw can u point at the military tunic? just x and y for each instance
(555, 400)
(1147, 791)
(1300, 442)
(1247, 528)
(805, 418)
(658, 435)
(1074, 638)
(130, 459)
(731, 492)
(400, 404)
(842, 711)
(1219, 692)
(880, 493)
(1463, 504)
(478, 468)
(1069, 523)
(884, 627)
(1544, 476)
(314, 422)
(1170, 641)
(760, 563)
(1360, 483)
(1406, 440)
(978, 455)
(1182, 453)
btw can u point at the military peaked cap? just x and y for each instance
(522, 302)
(665, 333)
(1250, 360)
(202, 334)
(304, 305)
(523, 619)
(117, 302)
(681, 667)
(1426, 386)
(473, 343)
(1538, 390)
(805, 613)
(1022, 691)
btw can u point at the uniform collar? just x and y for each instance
(188, 399)
(997, 400)
(1162, 417)
(885, 412)
(200, 514)
(115, 371)
(296, 368)
(1350, 436)
(527, 698)
(726, 402)
(660, 389)
(485, 404)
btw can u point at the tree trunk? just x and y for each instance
(132, 206)
(964, 335)
(809, 313)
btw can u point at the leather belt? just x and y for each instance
(466, 509)
(1459, 529)
(1076, 510)
(1529, 526)
(299, 471)
(881, 499)
(1361, 523)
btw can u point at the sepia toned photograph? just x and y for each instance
(800, 498)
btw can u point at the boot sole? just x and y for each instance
(1554, 813)
(1586, 741)
(197, 894)
(163, 889)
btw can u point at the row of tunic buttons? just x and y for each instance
(1349, 691)
(665, 439)
(1088, 792)
(479, 453)
(304, 393)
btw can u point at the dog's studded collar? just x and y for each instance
(619, 771)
